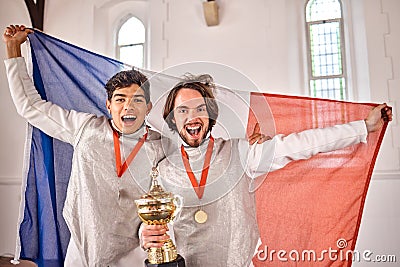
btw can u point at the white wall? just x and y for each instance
(261, 38)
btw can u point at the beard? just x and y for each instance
(192, 142)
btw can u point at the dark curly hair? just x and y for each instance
(125, 79)
(203, 84)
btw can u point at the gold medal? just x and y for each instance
(200, 216)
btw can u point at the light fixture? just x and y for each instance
(210, 9)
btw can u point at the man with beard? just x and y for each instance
(217, 226)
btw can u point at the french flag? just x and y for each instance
(306, 208)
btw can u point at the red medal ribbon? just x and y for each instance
(121, 168)
(199, 189)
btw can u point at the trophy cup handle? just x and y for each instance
(178, 201)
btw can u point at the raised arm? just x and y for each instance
(53, 120)
(271, 155)
(14, 36)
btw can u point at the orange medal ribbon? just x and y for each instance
(199, 189)
(121, 168)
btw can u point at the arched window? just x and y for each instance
(325, 45)
(130, 42)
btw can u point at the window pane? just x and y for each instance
(323, 10)
(326, 55)
(132, 55)
(131, 32)
(333, 88)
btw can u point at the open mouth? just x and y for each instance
(128, 118)
(193, 130)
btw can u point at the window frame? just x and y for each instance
(144, 47)
(343, 52)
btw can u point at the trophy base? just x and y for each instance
(178, 262)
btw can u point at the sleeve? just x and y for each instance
(278, 152)
(50, 118)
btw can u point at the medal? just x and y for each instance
(198, 188)
(200, 216)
